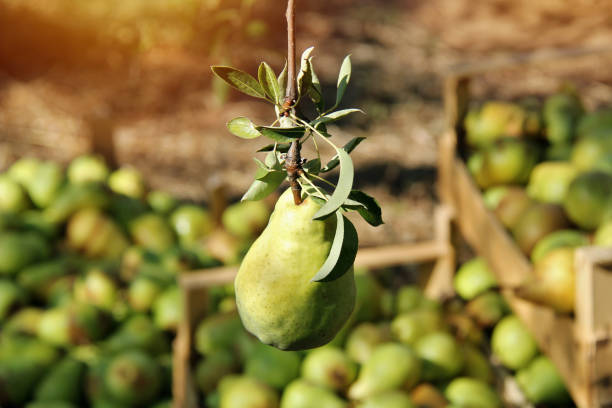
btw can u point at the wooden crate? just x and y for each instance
(195, 289)
(580, 346)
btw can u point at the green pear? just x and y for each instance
(73, 198)
(472, 393)
(137, 332)
(127, 181)
(558, 239)
(20, 249)
(409, 327)
(96, 288)
(475, 165)
(46, 185)
(588, 201)
(24, 321)
(217, 332)
(494, 120)
(493, 196)
(508, 161)
(301, 394)
(18, 377)
(476, 364)
(539, 220)
(161, 202)
(487, 309)
(426, 395)
(133, 378)
(512, 343)
(549, 181)
(272, 366)
(246, 392)
(213, 368)
(87, 169)
(389, 399)
(553, 282)
(329, 367)
(441, 356)
(42, 279)
(295, 313)
(64, 382)
(13, 198)
(367, 300)
(596, 122)
(512, 206)
(408, 298)
(124, 210)
(246, 219)
(562, 111)
(363, 340)
(96, 235)
(590, 149)
(542, 383)
(391, 366)
(24, 170)
(168, 309)
(473, 278)
(73, 324)
(27, 348)
(603, 235)
(151, 231)
(142, 293)
(191, 223)
(11, 297)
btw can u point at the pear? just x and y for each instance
(473, 278)
(562, 111)
(542, 383)
(137, 332)
(152, 232)
(276, 298)
(245, 219)
(512, 206)
(589, 150)
(487, 309)
(13, 198)
(20, 249)
(441, 355)
(603, 235)
(475, 165)
(73, 198)
(558, 239)
(494, 120)
(64, 382)
(217, 332)
(493, 196)
(213, 368)
(389, 399)
(408, 298)
(246, 392)
(272, 366)
(391, 366)
(127, 181)
(472, 393)
(24, 321)
(597, 122)
(426, 395)
(24, 170)
(588, 201)
(549, 181)
(553, 282)
(536, 222)
(409, 327)
(45, 186)
(168, 309)
(95, 234)
(363, 340)
(301, 394)
(191, 223)
(367, 302)
(133, 378)
(96, 288)
(87, 169)
(161, 202)
(508, 161)
(512, 343)
(476, 364)
(142, 293)
(329, 367)
(11, 297)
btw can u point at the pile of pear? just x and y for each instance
(89, 302)
(399, 349)
(546, 171)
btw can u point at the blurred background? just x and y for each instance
(137, 71)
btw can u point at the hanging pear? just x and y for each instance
(277, 300)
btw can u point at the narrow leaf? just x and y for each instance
(334, 116)
(316, 91)
(262, 170)
(282, 79)
(268, 81)
(304, 77)
(262, 188)
(280, 147)
(283, 135)
(366, 206)
(342, 253)
(272, 161)
(313, 166)
(240, 80)
(343, 188)
(243, 127)
(343, 79)
(349, 147)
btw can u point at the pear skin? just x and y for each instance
(276, 298)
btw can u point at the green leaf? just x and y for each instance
(349, 147)
(240, 80)
(262, 169)
(342, 253)
(304, 77)
(343, 188)
(366, 206)
(260, 189)
(272, 161)
(268, 81)
(313, 166)
(283, 135)
(280, 147)
(316, 91)
(344, 77)
(334, 116)
(282, 78)
(243, 127)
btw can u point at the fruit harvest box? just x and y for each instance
(196, 285)
(580, 345)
